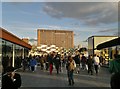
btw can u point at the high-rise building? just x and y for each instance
(60, 38)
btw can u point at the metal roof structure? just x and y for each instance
(110, 43)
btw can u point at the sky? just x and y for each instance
(85, 19)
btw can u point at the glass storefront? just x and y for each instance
(108, 53)
(12, 54)
(118, 49)
(0, 55)
(5, 54)
(18, 56)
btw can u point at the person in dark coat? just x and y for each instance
(11, 80)
(47, 62)
(115, 81)
(24, 64)
(90, 63)
(83, 61)
(50, 63)
(115, 70)
(57, 61)
(77, 61)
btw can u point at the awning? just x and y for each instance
(110, 43)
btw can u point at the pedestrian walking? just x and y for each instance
(33, 63)
(77, 61)
(11, 80)
(47, 62)
(51, 63)
(96, 63)
(57, 61)
(115, 70)
(70, 69)
(24, 64)
(83, 61)
(42, 62)
(90, 62)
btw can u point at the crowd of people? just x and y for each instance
(55, 60)
(72, 63)
(47, 62)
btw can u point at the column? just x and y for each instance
(13, 60)
(23, 53)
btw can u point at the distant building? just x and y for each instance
(25, 40)
(30, 41)
(33, 42)
(60, 38)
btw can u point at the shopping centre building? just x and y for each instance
(103, 50)
(94, 41)
(113, 47)
(12, 49)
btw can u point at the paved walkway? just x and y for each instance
(42, 78)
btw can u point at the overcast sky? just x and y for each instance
(84, 18)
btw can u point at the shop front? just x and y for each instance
(109, 48)
(13, 50)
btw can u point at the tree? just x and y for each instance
(82, 49)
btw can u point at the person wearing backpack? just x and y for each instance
(70, 69)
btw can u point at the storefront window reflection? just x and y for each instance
(26, 51)
(0, 55)
(108, 53)
(6, 54)
(18, 56)
(118, 49)
(0, 50)
(105, 56)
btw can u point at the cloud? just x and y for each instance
(50, 27)
(17, 0)
(88, 13)
(59, 0)
(109, 30)
(82, 0)
(22, 32)
(0, 14)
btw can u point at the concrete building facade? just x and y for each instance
(60, 38)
